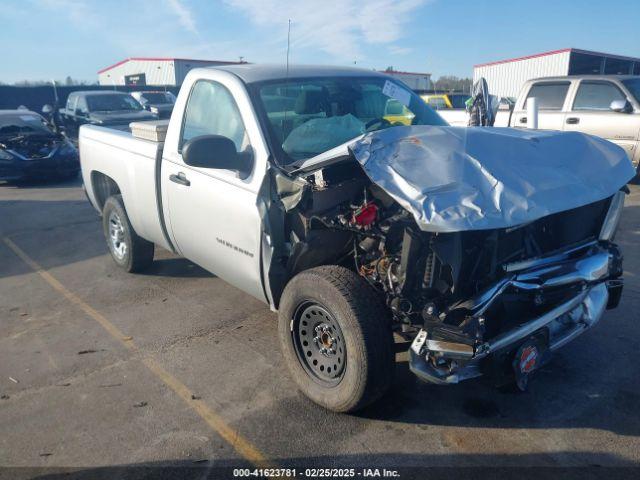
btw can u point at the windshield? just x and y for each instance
(633, 85)
(157, 98)
(111, 103)
(21, 124)
(458, 100)
(306, 117)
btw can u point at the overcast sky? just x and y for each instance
(44, 39)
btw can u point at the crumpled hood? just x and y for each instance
(456, 178)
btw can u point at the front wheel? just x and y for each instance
(336, 338)
(128, 250)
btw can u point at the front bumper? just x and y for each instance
(590, 272)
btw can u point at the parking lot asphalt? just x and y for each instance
(175, 367)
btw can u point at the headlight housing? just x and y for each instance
(611, 221)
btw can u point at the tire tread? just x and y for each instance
(141, 251)
(372, 319)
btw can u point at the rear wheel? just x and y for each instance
(128, 250)
(336, 338)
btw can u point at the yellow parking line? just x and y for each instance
(241, 445)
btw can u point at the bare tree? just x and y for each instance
(31, 83)
(451, 83)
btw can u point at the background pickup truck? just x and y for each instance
(113, 109)
(305, 188)
(157, 102)
(604, 105)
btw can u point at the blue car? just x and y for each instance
(31, 149)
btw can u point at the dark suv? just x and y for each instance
(109, 109)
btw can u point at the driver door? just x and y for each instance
(590, 113)
(213, 214)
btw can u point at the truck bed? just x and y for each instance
(133, 164)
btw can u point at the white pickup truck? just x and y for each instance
(485, 248)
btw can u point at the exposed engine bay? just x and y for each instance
(454, 292)
(490, 247)
(33, 146)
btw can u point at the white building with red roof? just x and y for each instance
(506, 77)
(152, 71)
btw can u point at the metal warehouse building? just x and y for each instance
(414, 80)
(506, 77)
(152, 71)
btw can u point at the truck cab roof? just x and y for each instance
(18, 112)
(252, 73)
(584, 77)
(97, 92)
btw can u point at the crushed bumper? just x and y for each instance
(591, 272)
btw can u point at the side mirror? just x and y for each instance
(216, 151)
(621, 106)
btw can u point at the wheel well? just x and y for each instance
(103, 187)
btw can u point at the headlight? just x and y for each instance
(4, 155)
(154, 110)
(611, 221)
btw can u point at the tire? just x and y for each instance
(128, 250)
(349, 314)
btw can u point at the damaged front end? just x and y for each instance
(36, 155)
(484, 269)
(546, 303)
(475, 297)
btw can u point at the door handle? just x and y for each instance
(523, 119)
(180, 178)
(573, 120)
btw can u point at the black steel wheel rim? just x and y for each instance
(319, 343)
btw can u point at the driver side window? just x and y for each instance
(82, 105)
(71, 102)
(211, 110)
(596, 96)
